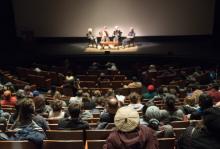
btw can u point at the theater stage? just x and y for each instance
(185, 49)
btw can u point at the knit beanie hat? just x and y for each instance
(126, 119)
(150, 88)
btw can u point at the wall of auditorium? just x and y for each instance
(72, 18)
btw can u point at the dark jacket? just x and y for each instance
(28, 133)
(198, 138)
(141, 138)
(41, 122)
(105, 118)
(74, 124)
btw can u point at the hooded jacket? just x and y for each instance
(141, 138)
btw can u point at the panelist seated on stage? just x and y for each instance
(92, 38)
(117, 35)
(104, 35)
(130, 37)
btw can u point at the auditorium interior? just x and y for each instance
(45, 47)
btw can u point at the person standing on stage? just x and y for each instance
(130, 37)
(92, 38)
(104, 35)
(117, 34)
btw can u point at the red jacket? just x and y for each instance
(11, 102)
(214, 94)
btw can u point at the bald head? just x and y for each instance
(7, 94)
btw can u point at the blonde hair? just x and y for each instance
(190, 100)
(196, 95)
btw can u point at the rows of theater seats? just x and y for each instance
(88, 139)
(91, 139)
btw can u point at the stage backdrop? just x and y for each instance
(71, 18)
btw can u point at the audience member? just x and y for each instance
(40, 106)
(135, 101)
(53, 92)
(109, 113)
(74, 121)
(20, 94)
(130, 134)
(214, 93)
(205, 102)
(151, 93)
(69, 78)
(77, 98)
(27, 91)
(100, 102)
(205, 135)
(171, 113)
(111, 66)
(8, 99)
(57, 112)
(24, 118)
(87, 106)
(189, 105)
(152, 117)
(135, 83)
(26, 127)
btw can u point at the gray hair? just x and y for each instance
(152, 112)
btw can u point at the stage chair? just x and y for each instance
(94, 144)
(180, 124)
(17, 145)
(63, 144)
(64, 134)
(97, 134)
(178, 132)
(131, 43)
(166, 143)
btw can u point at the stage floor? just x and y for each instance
(190, 49)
